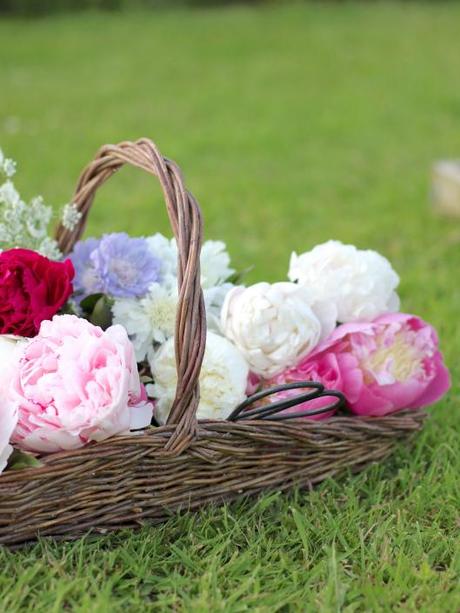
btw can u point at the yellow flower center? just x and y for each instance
(400, 360)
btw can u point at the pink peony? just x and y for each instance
(254, 382)
(383, 366)
(72, 384)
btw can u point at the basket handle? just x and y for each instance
(186, 222)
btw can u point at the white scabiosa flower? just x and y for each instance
(360, 283)
(215, 264)
(214, 260)
(148, 320)
(275, 325)
(165, 250)
(223, 379)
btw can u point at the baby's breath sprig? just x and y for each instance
(27, 225)
(70, 216)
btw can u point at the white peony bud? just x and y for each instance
(360, 283)
(8, 414)
(223, 379)
(275, 325)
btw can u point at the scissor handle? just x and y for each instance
(274, 411)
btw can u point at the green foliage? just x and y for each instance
(44, 7)
(21, 459)
(97, 309)
(292, 125)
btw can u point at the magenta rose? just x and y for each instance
(383, 366)
(32, 289)
(72, 384)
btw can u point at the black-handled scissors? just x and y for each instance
(274, 410)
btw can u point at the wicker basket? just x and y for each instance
(127, 481)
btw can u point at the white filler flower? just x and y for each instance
(223, 379)
(149, 320)
(214, 298)
(360, 283)
(70, 216)
(275, 325)
(214, 260)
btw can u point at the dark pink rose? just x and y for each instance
(32, 289)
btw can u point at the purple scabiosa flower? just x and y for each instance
(125, 265)
(87, 280)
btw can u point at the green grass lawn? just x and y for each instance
(293, 125)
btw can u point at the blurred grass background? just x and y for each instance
(293, 123)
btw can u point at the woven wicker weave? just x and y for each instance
(129, 480)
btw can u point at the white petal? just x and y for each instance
(140, 415)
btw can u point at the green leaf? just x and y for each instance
(68, 309)
(88, 304)
(238, 276)
(20, 459)
(102, 313)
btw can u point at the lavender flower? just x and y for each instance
(117, 265)
(86, 279)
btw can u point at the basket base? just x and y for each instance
(130, 481)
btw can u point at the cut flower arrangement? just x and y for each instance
(99, 342)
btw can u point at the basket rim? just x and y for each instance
(338, 426)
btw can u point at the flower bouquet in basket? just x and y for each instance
(140, 377)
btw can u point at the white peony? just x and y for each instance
(223, 379)
(360, 283)
(275, 325)
(149, 320)
(8, 414)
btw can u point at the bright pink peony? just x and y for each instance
(254, 382)
(72, 384)
(32, 289)
(389, 364)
